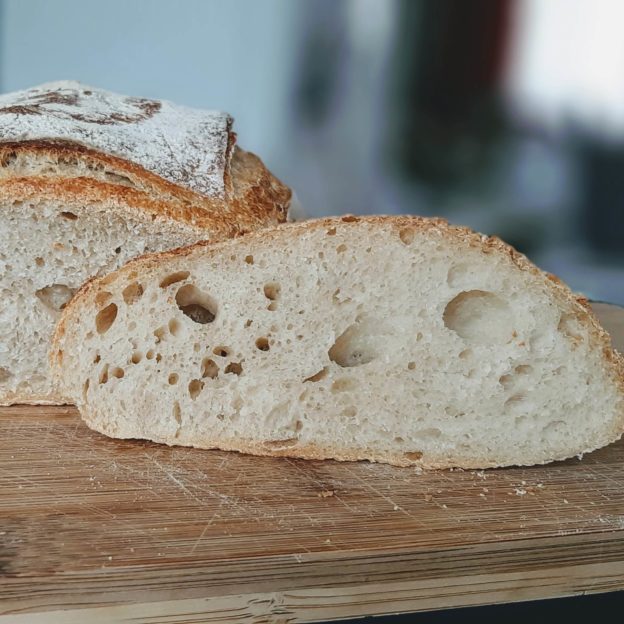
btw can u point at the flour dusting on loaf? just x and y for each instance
(185, 146)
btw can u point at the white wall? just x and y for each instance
(233, 55)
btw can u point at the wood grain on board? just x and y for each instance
(101, 530)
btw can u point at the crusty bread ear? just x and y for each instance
(90, 179)
(393, 339)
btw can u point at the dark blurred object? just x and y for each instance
(570, 610)
(601, 166)
(317, 82)
(448, 64)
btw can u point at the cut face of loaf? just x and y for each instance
(399, 340)
(90, 179)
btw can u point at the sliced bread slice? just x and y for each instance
(392, 339)
(90, 179)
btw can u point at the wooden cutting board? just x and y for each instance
(99, 530)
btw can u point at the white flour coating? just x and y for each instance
(183, 145)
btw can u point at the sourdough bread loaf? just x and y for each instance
(90, 179)
(392, 339)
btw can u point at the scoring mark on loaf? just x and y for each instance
(187, 147)
(80, 105)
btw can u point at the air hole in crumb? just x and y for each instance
(317, 376)
(272, 290)
(159, 332)
(5, 374)
(102, 298)
(174, 327)
(399, 439)
(298, 425)
(39, 261)
(55, 297)
(173, 379)
(459, 274)
(570, 327)
(117, 250)
(343, 384)
(103, 377)
(69, 215)
(196, 347)
(262, 344)
(413, 455)
(272, 306)
(505, 381)
(352, 347)
(407, 235)
(249, 259)
(195, 387)
(177, 413)
(524, 369)
(158, 357)
(280, 444)
(465, 354)
(85, 389)
(234, 367)
(150, 354)
(248, 323)
(411, 365)
(209, 368)
(331, 231)
(173, 278)
(97, 358)
(195, 304)
(105, 318)
(516, 403)
(480, 317)
(117, 372)
(221, 351)
(132, 293)
(137, 356)
(428, 433)
(349, 412)
(341, 248)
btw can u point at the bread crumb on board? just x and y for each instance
(326, 493)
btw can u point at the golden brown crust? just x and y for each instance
(85, 191)
(463, 236)
(252, 194)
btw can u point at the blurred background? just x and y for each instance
(504, 115)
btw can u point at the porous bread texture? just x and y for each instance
(75, 163)
(391, 339)
(51, 241)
